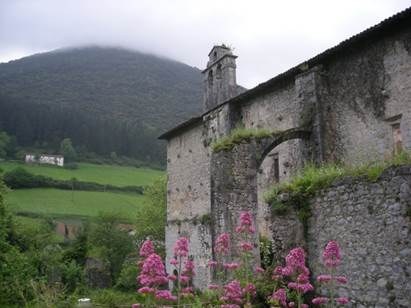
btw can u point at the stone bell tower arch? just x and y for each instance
(219, 77)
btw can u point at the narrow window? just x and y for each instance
(276, 168)
(396, 134)
(210, 78)
(218, 71)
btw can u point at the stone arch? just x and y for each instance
(234, 180)
(266, 145)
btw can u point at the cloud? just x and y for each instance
(269, 36)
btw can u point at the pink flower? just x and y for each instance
(184, 279)
(287, 271)
(259, 270)
(230, 306)
(187, 290)
(331, 254)
(172, 277)
(181, 247)
(231, 266)
(246, 246)
(250, 289)
(296, 258)
(342, 300)
(135, 306)
(291, 304)
(301, 287)
(324, 278)
(152, 271)
(222, 244)
(212, 263)
(189, 268)
(320, 300)
(281, 296)
(173, 262)
(246, 223)
(166, 295)
(304, 306)
(233, 293)
(302, 278)
(146, 249)
(145, 290)
(213, 287)
(341, 279)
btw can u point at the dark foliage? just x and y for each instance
(20, 178)
(104, 99)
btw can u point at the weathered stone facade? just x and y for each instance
(370, 222)
(350, 104)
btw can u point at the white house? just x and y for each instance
(57, 160)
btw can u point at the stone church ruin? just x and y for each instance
(349, 104)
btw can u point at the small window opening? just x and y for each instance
(215, 55)
(210, 78)
(397, 137)
(218, 71)
(276, 168)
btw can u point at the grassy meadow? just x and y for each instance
(102, 174)
(66, 204)
(57, 203)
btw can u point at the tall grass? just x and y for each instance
(313, 178)
(240, 135)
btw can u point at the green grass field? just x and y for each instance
(62, 203)
(103, 174)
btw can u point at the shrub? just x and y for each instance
(71, 166)
(127, 278)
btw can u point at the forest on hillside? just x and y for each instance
(104, 99)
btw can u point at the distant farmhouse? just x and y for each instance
(57, 160)
(350, 104)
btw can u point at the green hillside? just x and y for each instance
(105, 99)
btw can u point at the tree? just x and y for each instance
(67, 150)
(112, 243)
(151, 219)
(4, 144)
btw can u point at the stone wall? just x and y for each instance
(370, 222)
(362, 94)
(188, 199)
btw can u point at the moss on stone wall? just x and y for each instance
(240, 135)
(300, 188)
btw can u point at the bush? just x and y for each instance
(71, 166)
(21, 178)
(127, 278)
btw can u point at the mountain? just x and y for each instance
(105, 99)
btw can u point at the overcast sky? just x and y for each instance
(268, 36)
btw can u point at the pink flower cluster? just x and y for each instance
(184, 267)
(152, 273)
(331, 254)
(297, 275)
(331, 259)
(181, 247)
(246, 223)
(234, 294)
(222, 244)
(146, 249)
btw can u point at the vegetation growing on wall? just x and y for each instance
(240, 135)
(300, 188)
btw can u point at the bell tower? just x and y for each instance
(219, 77)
